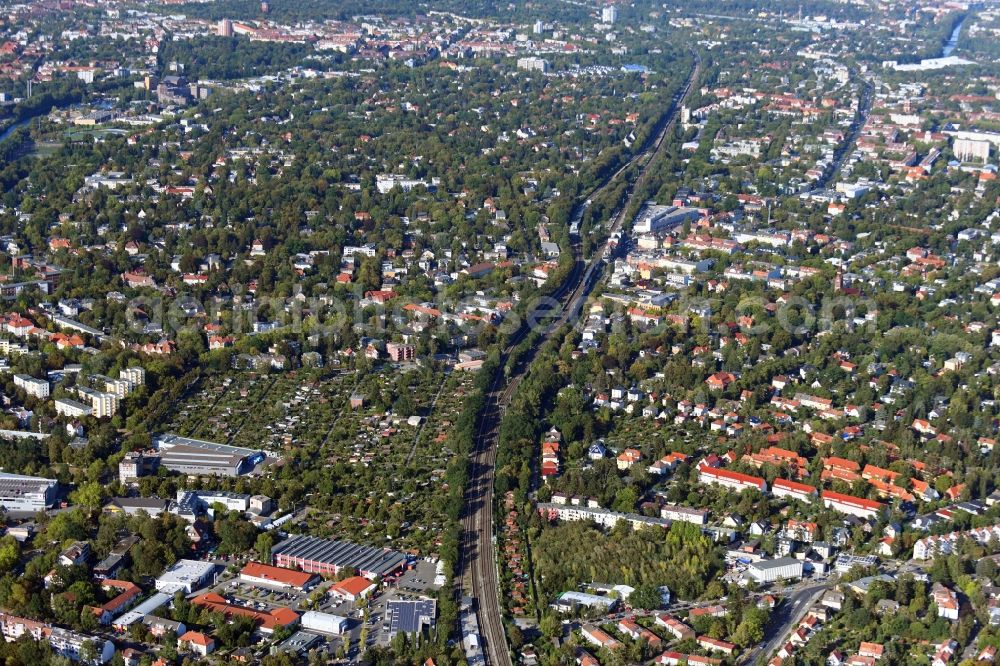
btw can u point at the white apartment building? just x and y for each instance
(39, 388)
(71, 408)
(532, 64)
(103, 404)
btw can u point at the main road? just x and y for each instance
(479, 577)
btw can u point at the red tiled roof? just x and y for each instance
(277, 574)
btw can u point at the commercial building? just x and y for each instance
(768, 571)
(199, 462)
(133, 506)
(298, 644)
(328, 557)
(324, 623)
(141, 613)
(410, 616)
(27, 493)
(200, 457)
(276, 577)
(653, 218)
(37, 388)
(569, 602)
(206, 499)
(354, 588)
(847, 561)
(267, 621)
(186, 576)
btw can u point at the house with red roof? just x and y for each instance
(794, 490)
(196, 642)
(354, 588)
(128, 594)
(267, 621)
(733, 480)
(675, 627)
(720, 380)
(715, 644)
(601, 638)
(266, 575)
(855, 506)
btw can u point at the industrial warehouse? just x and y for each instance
(769, 571)
(328, 557)
(196, 456)
(26, 493)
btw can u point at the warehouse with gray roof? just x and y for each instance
(200, 457)
(329, 557)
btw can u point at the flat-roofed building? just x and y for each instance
(141, 613)
(569, 602)
(186, 576)
(37, 388)
(133, 506)
(768, 571)
(199, 457)
(324, 623)
(410, 616)
(654, 218)
(103, 404)
(684, 514)
(135, 374)
(71, 408)
(136, 465)
(27, 493)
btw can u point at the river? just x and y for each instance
(952, 43)
(13, 128)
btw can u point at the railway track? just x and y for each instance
(477, 557)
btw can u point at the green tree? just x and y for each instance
(90, 495)
(263, 546)
(646, 596)
(10, 553)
